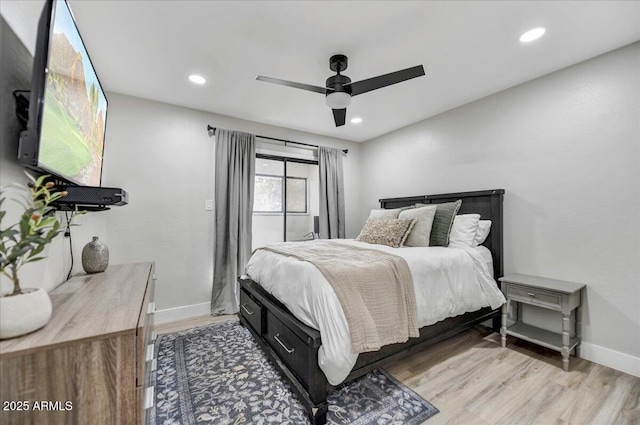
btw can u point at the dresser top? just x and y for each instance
(544, 283)
(89, 307)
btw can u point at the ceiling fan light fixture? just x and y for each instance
(338, 100)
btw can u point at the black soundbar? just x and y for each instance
(92, 196)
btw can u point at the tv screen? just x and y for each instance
(68, 111)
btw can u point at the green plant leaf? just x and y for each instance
(37, 250)
(38, 240)
(38, 182)
(46, 222)
(24, 224)
(15, 254)
(33, 260)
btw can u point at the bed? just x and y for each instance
(294, 346)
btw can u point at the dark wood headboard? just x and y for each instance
(487, 203)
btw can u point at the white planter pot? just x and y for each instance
(21, 314)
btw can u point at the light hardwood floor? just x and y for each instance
(472, 380)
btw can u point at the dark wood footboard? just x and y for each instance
(293, 346)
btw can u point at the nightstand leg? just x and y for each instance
(565, 341)
(578, 330)
(503, 329)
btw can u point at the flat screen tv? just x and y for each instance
(68, 108)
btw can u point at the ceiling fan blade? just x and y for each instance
(339, 116)
(295, 85)
(381, 81)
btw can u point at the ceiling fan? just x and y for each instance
(339, 89)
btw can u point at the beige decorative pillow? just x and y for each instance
(392, 232)
(421, 231)
(385, 214)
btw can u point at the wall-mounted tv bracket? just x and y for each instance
(22, 106)
(73, 207)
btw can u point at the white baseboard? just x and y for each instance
(180, 313)
(610, 358)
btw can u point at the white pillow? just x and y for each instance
(484, 226)
(421, 231)
(464, 229)
(385, 214)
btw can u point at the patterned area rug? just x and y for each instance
(217, 374)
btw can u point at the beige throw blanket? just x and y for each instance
(374, 288)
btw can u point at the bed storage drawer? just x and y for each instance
(251, 311)
(291, 349)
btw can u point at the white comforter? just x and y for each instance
(447, 281)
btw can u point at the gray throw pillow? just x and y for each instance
(442, 222)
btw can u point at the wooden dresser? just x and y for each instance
(92, 363)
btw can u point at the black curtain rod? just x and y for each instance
(209, 128)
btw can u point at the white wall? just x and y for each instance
(565, 147)
(163, 156)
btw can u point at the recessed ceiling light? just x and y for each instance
(533, 34)
(197, 79)
(356, 120)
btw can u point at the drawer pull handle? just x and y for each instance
(250, 313)
(289, 350)
(531, 294)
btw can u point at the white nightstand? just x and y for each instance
(557, 295)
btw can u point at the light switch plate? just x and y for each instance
(208, 205)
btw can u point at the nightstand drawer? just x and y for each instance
(534, 296)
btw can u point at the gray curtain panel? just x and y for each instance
(235, 175)
(331, 193)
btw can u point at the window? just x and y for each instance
(296, 195)
(278, 179)
(269, 193)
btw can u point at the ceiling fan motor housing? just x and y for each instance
(336, 84)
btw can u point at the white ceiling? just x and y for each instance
(469, 49)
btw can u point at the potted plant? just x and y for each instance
(24, 310)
